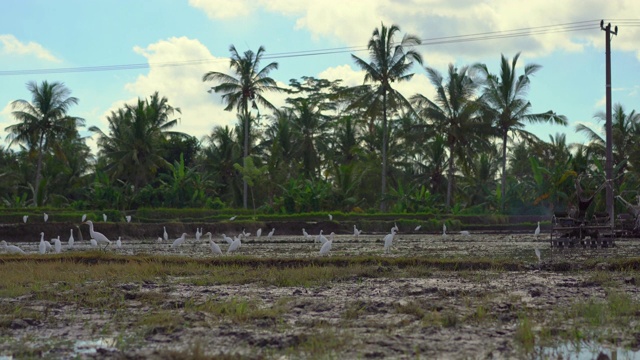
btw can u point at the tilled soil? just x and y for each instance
(436, 315)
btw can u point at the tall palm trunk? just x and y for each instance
(383, 203)
(450, 176)
(246, 152)
(36, 187)
(503, 185)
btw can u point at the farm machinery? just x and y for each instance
(579, 227)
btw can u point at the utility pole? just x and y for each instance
(608, 168)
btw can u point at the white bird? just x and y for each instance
(227, 239)
(233, 217)
(258, 233)
(304, 232)
(215, 248)
(42, 247)
(270, 234)
(235, 245)
(538, 254)
(104, 217)
(12, 249)
(57, 245)
(330, 217)
(177, 242)
(24, 218)
(198, 234)
(159, 239)
(465, 233)
(46, 217)
(356, 232)
(322, 238)
(48, 245)
(245, 234)
(326, 247)
(118, 243)
(84, 217)
(93, 242)
(395, 226)
(388, 240)
(417, 228)
(444, 229)
(128, 217)
(165, 235)
(319, 237)
(71, 240)
(99, 237)
(537, 232)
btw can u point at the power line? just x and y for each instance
(484, 36)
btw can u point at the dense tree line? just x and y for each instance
(331, 147)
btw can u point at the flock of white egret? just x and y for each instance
(98, 239)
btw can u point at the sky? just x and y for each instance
(144, 46)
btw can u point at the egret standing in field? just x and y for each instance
(330, 217)
(417, 228)
(227, 239)
(84, 217)
(24, 218)
(46, 217)
(305, 234)
(235, 245)
(104, 217)
(538, 254)
(42, 248)
(444, 229)
(356, 232)
(270, 234)
(388, 240)
(164, 234)
(537, 231)
(233, 217)
(326, 247)
(97, 236)
(198, 234)
(11, 249)
(258, 233)
(177, 242)
(128, 217)
(57, 245)
(118, 243)
(215, 248)
(71, 240)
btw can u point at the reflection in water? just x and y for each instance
(586, 351)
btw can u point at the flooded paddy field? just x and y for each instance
(481, 296)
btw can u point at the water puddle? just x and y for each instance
(586, 351)
(92, 346)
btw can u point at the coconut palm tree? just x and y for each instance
(43, 122)
(454, 113)
(249, 85)
(506, 103)
(133, 147)
(389, 62)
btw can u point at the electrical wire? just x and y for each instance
(484, 36)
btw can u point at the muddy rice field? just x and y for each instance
(479, 296)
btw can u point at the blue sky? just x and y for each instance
(44, 34)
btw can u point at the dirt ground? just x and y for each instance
(434, 315)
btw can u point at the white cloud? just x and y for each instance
(222, 9)
(182, 85)
(11, 45)
(433, 19)
(5, 120)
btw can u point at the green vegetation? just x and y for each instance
(447, 155)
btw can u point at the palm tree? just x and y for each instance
(505, 97)
(43, 122)
(454, 112)
(249, 85)
(389, 62)
(133, 147)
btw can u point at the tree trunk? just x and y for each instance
(36, 187)
(383, 203)
(246, 153)
(503, 186)
(450, 178)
